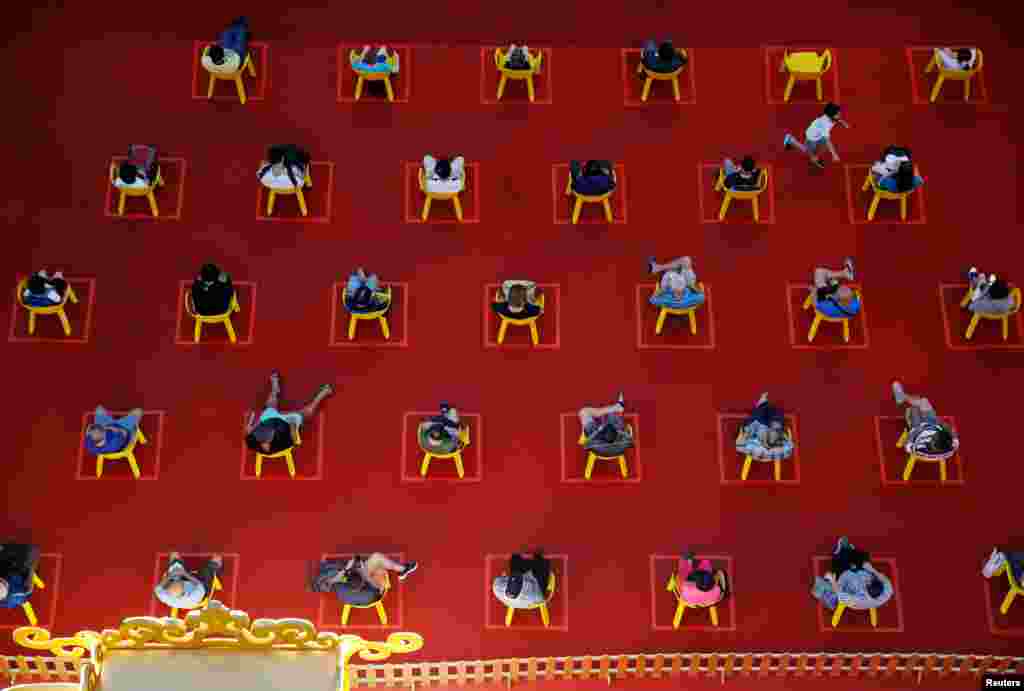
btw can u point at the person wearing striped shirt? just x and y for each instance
(927, 435)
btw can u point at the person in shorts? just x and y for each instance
(275, 431)
(818, 135)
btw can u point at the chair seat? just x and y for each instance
(807, 62)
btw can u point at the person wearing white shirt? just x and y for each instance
(961, 59)
(890, 162)
(129, 176)
(184, 589)
(818, 134)
(228, 55)
(444, 176)
(284, 169)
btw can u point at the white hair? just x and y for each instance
(4, 589)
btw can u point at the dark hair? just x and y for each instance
(128, 172)
(832, 110)
(36, 284)
(875, 587)
(963, 55)
(998, 289)
(362, 297)
(905, 177)
(608, 434)
(704, 580)
(895, 151)
(748, 164)
(443, 168)
(275, 154)
(517, 296)
(666, 52)
(216, 54)
(437, 433)
(209, 273)
(371, 58)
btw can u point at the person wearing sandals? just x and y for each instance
(361, 580)
(275, 431)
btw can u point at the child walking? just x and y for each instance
(818, 135)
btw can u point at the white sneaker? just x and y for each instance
(996, 560)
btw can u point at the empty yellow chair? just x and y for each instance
(592, 457)
(214, 587)
(506, 74)
(880, 194)
(749, 459)
(689, 312)
(53, 309)
(127, 453)
(978, 316)
(224, 319)
(37, 582)
(805, 66)
(673, 587)
(964, 76)
(380, 315)
(530, 321)
(653, 76)
(1015, 588)
(751, 196)
(378, 605)
(455, 455)
(146, 192)
(819, 317)
(589, 199)
(840, 608)
(235, 76)
(545, 615)
(297, 191)
(286, 455)
(915, 457)
(365, 76)
(453, 197)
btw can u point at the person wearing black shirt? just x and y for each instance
(661, 58)
(275, 431)
(17, 565)
(742, 178)
(592, 178)
(212, 291)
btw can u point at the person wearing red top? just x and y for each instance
(698, 584)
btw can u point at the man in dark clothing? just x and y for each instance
(274, 431)
(742, 178)
(212, 291)
(17, 566)
(592, 179)
(604, 429)
(661, 58)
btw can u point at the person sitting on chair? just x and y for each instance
(989, 294)
(184, 589)
(605, 430)
(17, 565)
(678, 288)
(383, 59)
(763, 434)
(139, 170)
(889, 163)
(107, 435)
(927, 435)
(520, 300)
(439, 434)
(961, 59)
(525, 585)
(744, 177)
(275, 431)
(593, 178)
(361, 580)
(42, 290)
(831, 298)
(361, 292)
(444, 175)
(518, 58)
(853, 581)
(212, 291)
(699, 584)
(903, 179)
(662, 58)
(1013, 560)
(228, 55)
(285, 167)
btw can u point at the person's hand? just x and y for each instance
(835, 157)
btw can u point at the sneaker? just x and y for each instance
(898, 393)
(407, 569)
(818, 162)
(848, 264)
(996, 560)
(763, 399)
(972, 273)
(787, 142)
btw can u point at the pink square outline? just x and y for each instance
(320, 420)
(958, 459)
(947, 325)
(853, 190)
(368, 614)
(183, 287)
(618, 200)
(658, 590)
(915, 90)
(108, 203)
(52, 582)
(643, 289)
(628, 71)
(153, 603)
(491, 322)
(476, 428)
(16, 309)
(156, 442)
(771, 71)
(409, 172)
(825, 626)
(702, 170)
(561, 592)
(797, 344)
(261, 64)
(326, 218)
(634, 463)
(404, 78)
(338, 337)
(487, 62)
(792, 423)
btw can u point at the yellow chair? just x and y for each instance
(805, 66)
(379, 315)
(978, 316)
(235, 76)
(286, 455)
(590, 199)
(964, 76)
(53, 309)
(750, 459)
(545, 616)
(914, 458)
(819, 317)
(681, 604)
(454, 455)
(531, 321)
(840, 608)
(1015, 588)
(506, 74)
(689, 312)
(146, 192)
(127, 453)
(297, 191)
(592, 457)
(660, 76)
(441, 196)
(37, 582)
(880, 194)
(365, 76)
(214, 587)
(224, 319)
(378, 605)
(762, 185)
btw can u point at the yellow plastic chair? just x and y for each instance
(914, 458)
(454, 455)
(224, 319)
(53, 309)
(365, 76)
(819, 317)
(286, 455)
(439, 196)
(379, 315)
(840, 608)
(660, 76)
(127, 453)
(880, 194)
(378, 605)
(762, 185)
(748, 460)
(531, 321)
(805, 66)
(1015, 588)
(545, 616)
(689, 312)
(146, 192)
(589, 199)
(37, 582)
(214, 587)
(681, 604)
(297, 191)
(964, 76)
(506, 74)
(978, 316)
(592, 457)
(235, 76)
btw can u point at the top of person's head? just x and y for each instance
(875, 587)
(437, 433)
(209, 272)
(608, 434)
(128, 172)
(175, 588)
(666, 51)
(517, 295)
(748, 164)
(963, 55)
(36, 283)
(845, 294)
(275, 154)
(999, 289)
(704, 580)
(443, 168)
(594, 168)
(96, 432)
(832, 110)
(216, 54)
(263, 433)
(3, 588)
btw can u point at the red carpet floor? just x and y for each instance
(88, 80)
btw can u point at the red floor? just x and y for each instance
(81, 106)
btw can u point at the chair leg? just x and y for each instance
(535, 335)
(529, 88)
(140, 436)
(942, 471)
(590, 466)
(807, 302)
(501, 86)
(931, 64)
(209, 88)
(240, 88)
(967, 89)
(387, 87)
(936, 88)
(352, 321)
(382, 614)
(623, 468)
(67, 325)
(680, 608)
(345, 611)
(291, 464)
(647, 90)
(675, 88)
(1006, 328)
(302, 202)
(38, 582)
(966, 299)
(909, 468)
(425, 464)
(99, 467)
(972, 326)
(818, 80)
(867, 183)
(846, 331)
(873, 612)
(903, 438)
(903, 208)
(778, 471)
(134, 466)
(250, 66)
(789, 88)
(545, 616)
(661, 321)
(508, 616)
(174, 612)
(1007, 601)
(426, 209)
(384, 328)
(30, 613)
(501, 331)
(153, 208)
(693, 323)
(197, 331)
(359, 88)
(259, 465)
(714, 615)
(814, 328)
(459, 467)
(31, 323)
(120, 204)
(725, 206)
(271, 195)
(607, 211)
(746, 468)
(838, 614)
(873, 208)
(458, 208)
(757, 210)
(576, 211)
(231, 330)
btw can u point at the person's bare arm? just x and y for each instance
(295, 433)
(832, 148)
(250, 424)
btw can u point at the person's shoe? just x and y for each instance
(848, 264)
(445, 407)
(689, 556)
(840, 544)
(787, 142)
(995, 561)
(818, 162)
(898, 393)
(650, 265)
(621, 400)
(763, 399)
(407, 569)
(972, 273)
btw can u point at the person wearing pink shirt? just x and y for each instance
(698, 584)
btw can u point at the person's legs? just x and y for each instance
(275, 390)
(575, 170)
(130, 421)
(729, 167)
(681, 263)
(789, 141)
(379, 561)
(310, 408)
(373, 283)
(102, 417)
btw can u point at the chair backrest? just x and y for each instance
(367, 74)
(439, 195)
(762, 185)
(385, 295)
(1015, 294)
(190, 308)
(960, 74)
(140, 191)
(551, 586)
(20, 293)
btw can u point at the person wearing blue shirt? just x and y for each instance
(662, 58)
(184, 589)
(107, 435)
(362, 292)
(381, 61)
(593, 178)
(678, 288)
(831, 298)
(17, 565)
